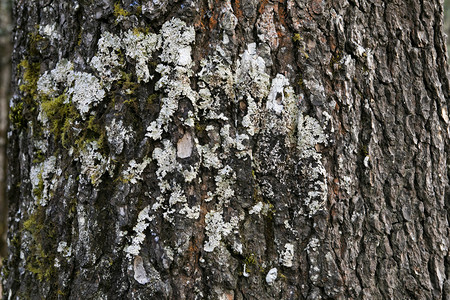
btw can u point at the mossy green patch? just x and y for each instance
(119, 11)
(39, 190)
(297, 38)
(40, 261)
(30, 76)
(16, 116)
(61, 114)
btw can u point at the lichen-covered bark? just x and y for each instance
(220, 150)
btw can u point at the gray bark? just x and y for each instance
(229, 150)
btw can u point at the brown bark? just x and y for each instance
(229, 150)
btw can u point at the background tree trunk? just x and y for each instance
(220, 150)
(5, 83)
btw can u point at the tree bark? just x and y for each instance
(229, 150)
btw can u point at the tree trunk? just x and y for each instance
(229, 150)
(5, 83)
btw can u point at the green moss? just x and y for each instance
(127, 84)
(73, 206)
(364, 150)
(297, 38)
(199, 127)
(139, 10)
(38, 156)
(16, 116)
(40, 261)
(80, 37)
(30, 77)
(152, 98)
(119, 11)
(93, 131)
(251, 259)
(301, 83)
(61, 115)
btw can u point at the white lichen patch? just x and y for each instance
(166, 159)
(251, 74)
(225, 179)
(86, 91)
(64, 250)
(190, 212)
(210, 157)
(83, 89)
(176, 38)
(94, 164)
(143, 221)
(107, 60)
(287, 256)
(272, 275)
(50, 31)
(310, 133)
(216, 228)
(260, 208)
(191, 173)
(43, 177)
(275, 99)
(134, 171)
(48, 82)
(140, 47)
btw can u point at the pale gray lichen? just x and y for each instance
(143, 221)
(93, 164)
(251, 76)
(225, 179)
(310, 133)
(190, 212)
(134, 171)
(259, 208)
(43, 177)
(107, 61)
(63, 249)
(312, 250)
(271, 275)
(140, 47)
(50, 31)
(216, 228)
(287, 256)
(166, 159)
(175, 39)
(84, 89)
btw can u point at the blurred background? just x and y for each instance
(5, 80)
(5, 75)
(447, 25)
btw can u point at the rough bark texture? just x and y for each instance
(229, 150)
